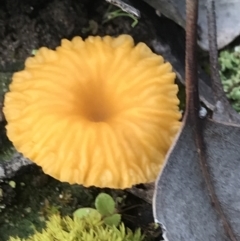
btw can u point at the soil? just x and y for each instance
(25, 25)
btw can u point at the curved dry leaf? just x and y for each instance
(182, 203)
(197, 195)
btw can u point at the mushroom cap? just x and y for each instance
(100, 112)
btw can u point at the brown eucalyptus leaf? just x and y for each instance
(182, 203)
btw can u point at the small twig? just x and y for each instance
(120, 13)
(125, 7)
(192, 94)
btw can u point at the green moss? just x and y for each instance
(230, 75)
(37, 197)
(82, 229)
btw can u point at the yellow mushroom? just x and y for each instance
(100, 112)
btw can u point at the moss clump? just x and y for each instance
(230, 75)
(82, 229)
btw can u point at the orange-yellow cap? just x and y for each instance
(100, 112)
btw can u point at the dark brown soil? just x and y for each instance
(26, 25)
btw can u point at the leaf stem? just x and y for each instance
(192, 94)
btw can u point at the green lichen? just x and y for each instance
(230, 75)
(89, 228)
